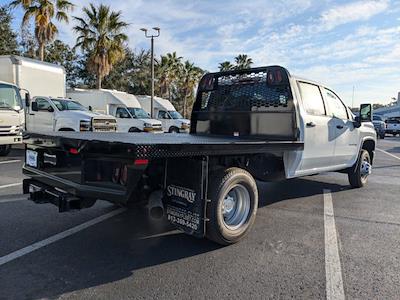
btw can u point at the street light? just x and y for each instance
(151, 36)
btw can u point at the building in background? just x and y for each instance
(390, 111)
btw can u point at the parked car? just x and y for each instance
(380, 126)
(164, 111)
(259, 123)
(58, 114)
(131, 117)
(393, 126)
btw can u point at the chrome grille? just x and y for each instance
(104, 125)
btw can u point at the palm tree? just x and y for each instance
(243, 62)
(100, 35)
(43, 11)
(225, 66)
(168, 69)
(189, 77)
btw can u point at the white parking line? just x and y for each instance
(333, 270)
(13, 199)
(10, 185)
(9, 161)
(388, 153)
(35, 246)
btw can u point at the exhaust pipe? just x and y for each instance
(156, 207)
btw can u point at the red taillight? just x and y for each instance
(73, 151)
(141, 162)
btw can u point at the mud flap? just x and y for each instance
(185, 190)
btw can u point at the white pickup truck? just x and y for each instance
(58, 114)
(259, 123)
(393, 126)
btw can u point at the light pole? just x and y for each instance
(151, 36)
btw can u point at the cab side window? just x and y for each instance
(336, 106)
(43, 104)
(122, 113)
(163, 115)
(312, 99)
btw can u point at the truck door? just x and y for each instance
(124, 119)
(318, 142)
(43, 118)
(346, 136)
(164, 117)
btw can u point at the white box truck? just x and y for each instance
(39, 78)
(164, 111)
(23, 74)
(125, 107)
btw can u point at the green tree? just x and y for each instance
(188, 78)
(132, 74)
(62, 54)
(8, 38)
(43, 12)
(101, 36)
(28, 43)
(167, 70)
(243, 61)
(226, 66)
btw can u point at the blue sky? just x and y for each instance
(340, 43)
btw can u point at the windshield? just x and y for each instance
(10, 97)
(175, 115)
(138, 113)
(68, 105)
(377, 118)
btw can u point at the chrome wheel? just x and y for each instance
(235, 207)
(365, 168)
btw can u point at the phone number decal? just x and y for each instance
(183, 217)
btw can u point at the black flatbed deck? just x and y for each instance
(164, 145)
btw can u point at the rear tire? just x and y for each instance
(358, 175)
(5, 150)
(233, 207)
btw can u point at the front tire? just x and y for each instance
(5, 150)
(134, 129)
(358, 175)
(173, 130)
(233, 207)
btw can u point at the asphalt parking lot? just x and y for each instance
(300, 246)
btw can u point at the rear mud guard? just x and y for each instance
(185, 194)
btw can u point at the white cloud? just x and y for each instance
(351, 12)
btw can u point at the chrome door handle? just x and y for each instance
(311, 124)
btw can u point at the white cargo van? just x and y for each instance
(39, 78)
(12, 117)
(164, 111)
(125, 107)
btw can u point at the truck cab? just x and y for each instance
(59, 114)
(12, 117)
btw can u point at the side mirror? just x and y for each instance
(365, 113)
(27, 99)
(90, 108)
(34, 106)
(50, 109)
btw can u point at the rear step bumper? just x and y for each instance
(42, 193)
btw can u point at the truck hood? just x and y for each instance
(83, 115)
(153, 122)
(10, 118)
(184, 121)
